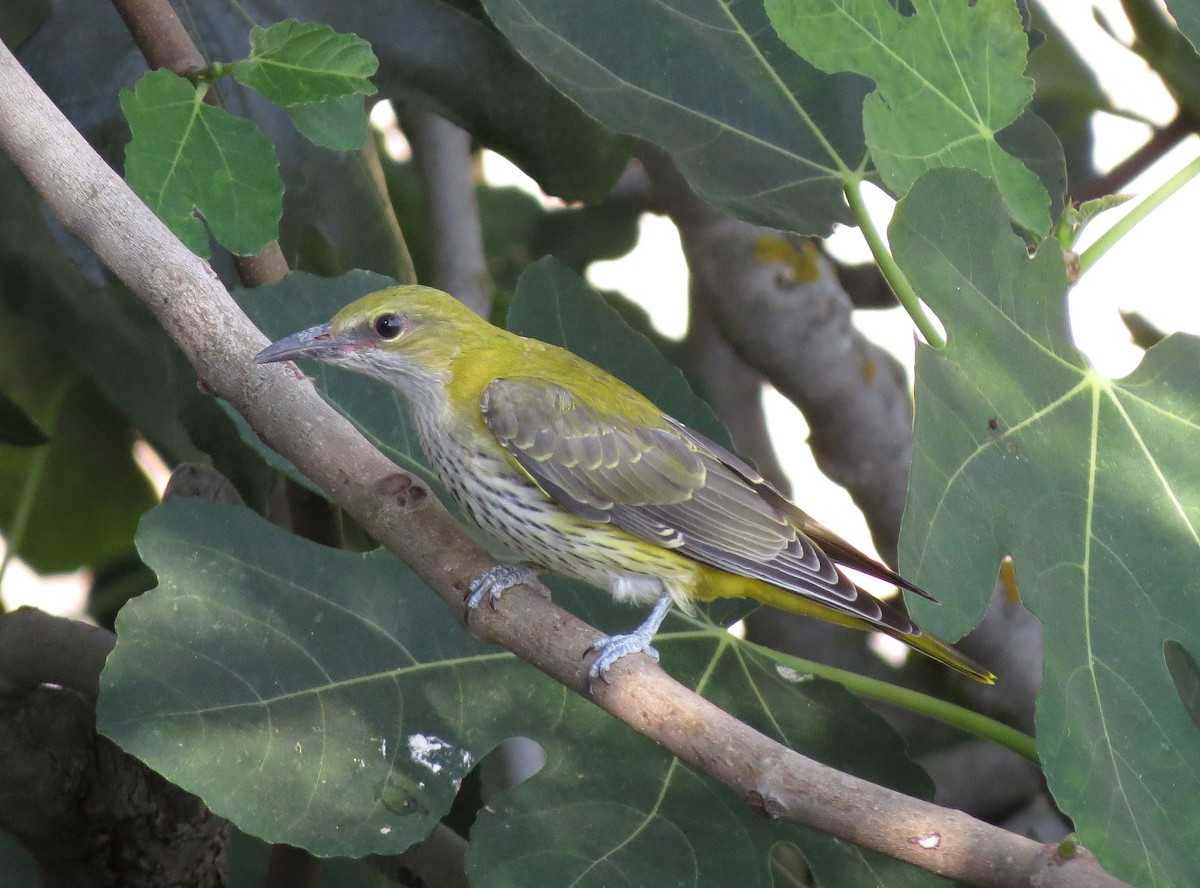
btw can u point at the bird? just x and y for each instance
(578, 473)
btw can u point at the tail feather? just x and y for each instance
(839, 549)
(895, 624)
(934, 647)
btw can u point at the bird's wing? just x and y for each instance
(668, 485)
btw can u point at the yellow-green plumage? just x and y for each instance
(580, 474)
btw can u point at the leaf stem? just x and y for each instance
(914, 701)
(887, 265)
(1136, 214)
(214, 71)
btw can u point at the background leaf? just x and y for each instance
(333, 222)
(756, 129)
(16, 428)
(1089, 483)
(1068, 93)
(340, 123)
(83, 492)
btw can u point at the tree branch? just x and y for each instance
(442, 155)
(88, 813)
(1160, 142)
(185, 295)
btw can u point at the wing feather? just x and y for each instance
(670, 486)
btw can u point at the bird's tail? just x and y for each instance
(932, 646)
(892, 622)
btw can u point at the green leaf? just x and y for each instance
(299, 63)
(1187, 16)
(339, 123)
(1075, 219)
(187, 156)
(1068, 94)
(74, 501)
(1090, 484)
(948, 78)
(326, 699)
(16, 428)
(429, 52)
(756, 130)
(107, 331)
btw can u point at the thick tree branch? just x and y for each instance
(442, 155)
(183, 292)
(731, 387)
(88, 813)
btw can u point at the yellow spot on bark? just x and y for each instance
(800, 258)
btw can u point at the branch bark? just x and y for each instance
(87, 812)
(187, 298)
(442, 155)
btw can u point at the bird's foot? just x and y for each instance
(612, 648)
(494, 582)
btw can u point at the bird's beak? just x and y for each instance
(315, 342)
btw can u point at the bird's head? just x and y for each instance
(400, 334)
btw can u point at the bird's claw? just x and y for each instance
(495, 581)
(612, 648)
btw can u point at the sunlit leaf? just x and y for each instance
(948, 78)
(1090, 484)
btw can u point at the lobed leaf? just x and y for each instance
(948, 78)
(325, 699)
(757, 131)
(186, 156)
(1089, 483)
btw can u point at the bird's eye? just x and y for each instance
(389, 326)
